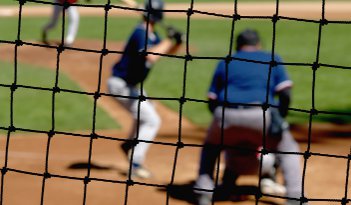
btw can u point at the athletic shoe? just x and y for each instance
(294, 202)
(204, 199)
(268, 186)
(140, 172)
(125, 146)
(204, 182)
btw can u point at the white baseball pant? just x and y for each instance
(73, 22)
(149, 121)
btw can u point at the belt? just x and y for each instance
(242, 106)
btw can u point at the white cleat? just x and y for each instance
(268, 186)
(140, 172)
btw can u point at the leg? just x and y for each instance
(52, 23)
(225, 190)
(149, 124)
(73, 25)
(209, 154)
(268, 183)
(290, 165)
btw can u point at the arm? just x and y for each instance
(284, 101)
(283, 87)
(166, 46)
(215, 87)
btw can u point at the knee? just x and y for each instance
(155, 121)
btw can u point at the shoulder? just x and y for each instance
(139, 30)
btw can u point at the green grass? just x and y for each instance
(295, 42)
(32, 108)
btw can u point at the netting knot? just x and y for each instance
(56, 89)
(4, 170)
(13, 87)
(264, 151)
(134, 142)
(303, 199)
(97, 95)
(228, 59)
(344, 201)
(315, 66)
(182, 100)
(47, 175)
(226, 104)
(60, 48)
(130, 182)
(108, 7)
(142, 98)
(265, 106)
(273, 63)
(275, 18)
(188, 58)
(142, 53)
(94, 136)
(66, 4)
(323, 22)
(236, 17)
(258, 195)
(22, 2)
(86, 180)
(314, 111)
(19, 43)
(51, 133)
(169, 188)
(180, 145)
(307, 155)
(12, 128)
(104, 52)
(190, 12)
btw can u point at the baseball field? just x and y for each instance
(28, 152)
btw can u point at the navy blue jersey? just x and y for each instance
(247, 81)
(133, 67)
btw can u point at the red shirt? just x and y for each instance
(68, 1)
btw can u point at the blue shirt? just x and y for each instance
(133, 67)
(247, 81)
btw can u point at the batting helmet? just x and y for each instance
(247, 37)
(154, 8)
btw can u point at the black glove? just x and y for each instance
(175, 34)
(212, 105)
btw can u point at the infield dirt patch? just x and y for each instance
(325, 176)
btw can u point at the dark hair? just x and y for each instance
(154, 7)
(247, 37)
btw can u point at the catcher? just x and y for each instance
(132, 69)
(244, 85)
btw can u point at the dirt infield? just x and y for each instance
(325, 176)
(68, 154)
(334, 10)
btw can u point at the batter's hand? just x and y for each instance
(175, 34)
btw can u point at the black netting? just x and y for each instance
(182, 100)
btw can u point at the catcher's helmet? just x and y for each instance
(154, 7)
(247, 37)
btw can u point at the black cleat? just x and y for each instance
(44, 37)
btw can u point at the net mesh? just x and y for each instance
(182, 100)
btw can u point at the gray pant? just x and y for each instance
(73, 21)
(244, 128)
